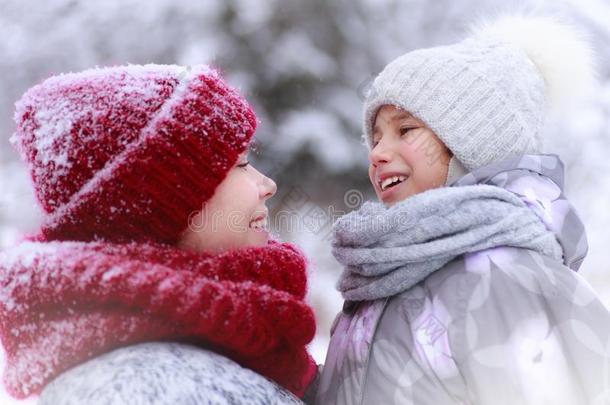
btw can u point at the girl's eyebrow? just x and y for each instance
(399, 115)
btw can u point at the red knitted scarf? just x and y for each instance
(62, 303)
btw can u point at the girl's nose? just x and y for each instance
(379, 154)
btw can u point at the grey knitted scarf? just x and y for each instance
(387, 250)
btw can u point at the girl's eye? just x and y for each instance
(243, 165)
(405, 130)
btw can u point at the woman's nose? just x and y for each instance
(268, 187)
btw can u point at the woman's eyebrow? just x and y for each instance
(255, 146)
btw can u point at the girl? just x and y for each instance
(152, 279)
(461, 284)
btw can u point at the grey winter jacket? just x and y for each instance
(160, 373)
(504, 325)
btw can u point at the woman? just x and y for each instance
(152, 279)
(461, 284)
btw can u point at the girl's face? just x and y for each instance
(235, 216)
(406, 158)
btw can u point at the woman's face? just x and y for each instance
(235, 216)
(406, 158)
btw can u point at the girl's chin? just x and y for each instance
(394, 194)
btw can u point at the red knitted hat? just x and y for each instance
(127, 153)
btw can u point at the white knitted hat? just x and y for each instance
(486, 97)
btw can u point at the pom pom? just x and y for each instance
(559, 50)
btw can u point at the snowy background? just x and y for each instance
(304, 65)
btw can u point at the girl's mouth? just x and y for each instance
(392, 181)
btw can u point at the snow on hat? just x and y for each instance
(127, 153)
(486, 96)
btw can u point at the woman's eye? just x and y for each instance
(243, 164)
